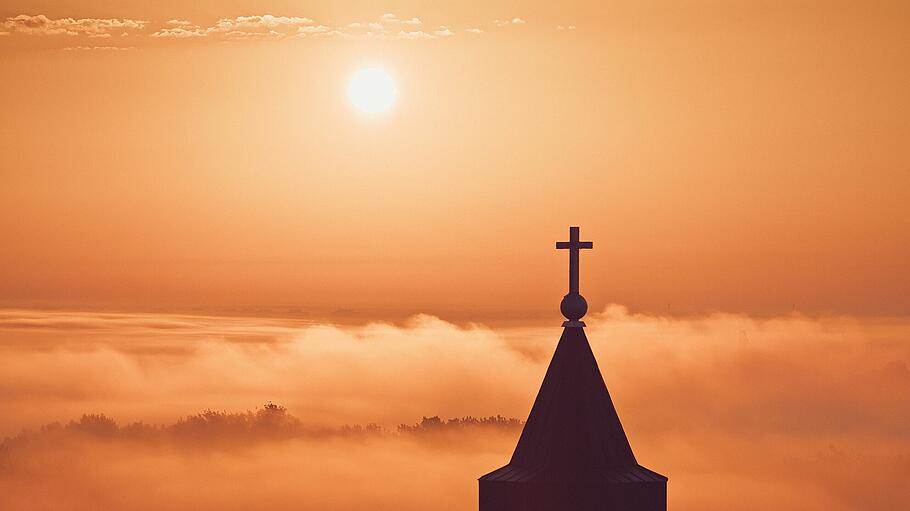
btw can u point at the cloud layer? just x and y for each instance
(240, 28)
(386, 26)
(788, 413)
(41, 25)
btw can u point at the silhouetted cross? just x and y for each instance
(574, 245)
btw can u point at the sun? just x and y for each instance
(372, 90)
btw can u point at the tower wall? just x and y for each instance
(510, 496)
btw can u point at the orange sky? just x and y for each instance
(749, 157)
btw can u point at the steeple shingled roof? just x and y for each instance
(573, 432)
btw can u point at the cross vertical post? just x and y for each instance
(574, 245)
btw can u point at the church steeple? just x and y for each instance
(573, 454)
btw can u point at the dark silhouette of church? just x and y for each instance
(573, 454)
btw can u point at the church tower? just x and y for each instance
(573, 454)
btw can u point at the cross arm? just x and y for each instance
(574, 244)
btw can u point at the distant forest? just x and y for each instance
(269, 423)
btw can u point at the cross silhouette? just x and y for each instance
(574, 245)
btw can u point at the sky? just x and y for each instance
(745, 157)
(196, 220)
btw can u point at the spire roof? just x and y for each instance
(573, 431)
(573, 422)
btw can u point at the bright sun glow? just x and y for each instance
(371, 90)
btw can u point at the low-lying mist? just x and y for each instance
(148, 411)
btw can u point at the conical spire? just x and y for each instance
(573, 427)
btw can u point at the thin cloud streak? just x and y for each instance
(240, 28)
(41, 25)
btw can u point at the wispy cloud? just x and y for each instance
(391, 19)
(314, 29)
(413, 34)
(388, 26)
(181, 32)
(507, 22)
(41, 25)
(99, 48)
(266, 26)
